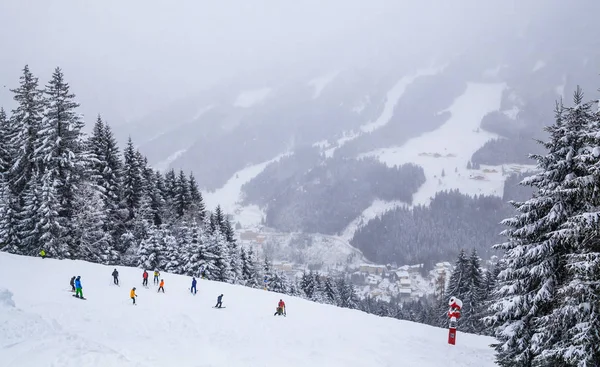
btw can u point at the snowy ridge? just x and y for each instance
(319, 83)
(201, 111)
(229, 195)
(449, 148)
(377, 208)
(163, 165)
(250, 98)
(392, 98)
(179, 329)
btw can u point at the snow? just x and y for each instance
(308, 248)
(163, 165)
(512, 113)
(250, 98)
(319, 83)
(451, 147)
(362, 104)
(201, 111)
(377, 208)
(228, 196)
(47, 327)
(392, 98)
(538, 65)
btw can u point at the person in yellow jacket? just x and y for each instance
(133, 295)
(43, 254)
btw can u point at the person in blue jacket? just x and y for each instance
(193, 289)
(78, 289)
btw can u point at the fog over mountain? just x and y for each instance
(369, 123)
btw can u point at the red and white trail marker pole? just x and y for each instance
(454, 314)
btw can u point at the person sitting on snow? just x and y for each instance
(280, 308)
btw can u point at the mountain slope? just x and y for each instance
(42, 325)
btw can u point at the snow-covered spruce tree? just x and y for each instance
(151, 255)
(267, 272)
(459, 282)
(132, 181)
(105, 172)
(474, 300)
(157, 200)
(330, 292)
(534, 254)
(9, 239)
(174, 261)
(183, 198)
(25, 123)
(197, 209)
(278, 282)
(61, 160)
(347, 294)
(92, 241)
(194, 250)
(577, 311)
(308, 285)
(249, 273)
(218, 265)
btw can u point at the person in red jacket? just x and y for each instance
(145, 276)
(280, 308)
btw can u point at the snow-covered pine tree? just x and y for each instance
(93, 243)
(60, 158)
(132, 181)
(330, 291)
(182, 195)
(267, 273)
(194, 250)
(197, 209)
(218, 265)
(347, 294)
(534, 254)
(577, 310)
(157, 201)
(25, 123)
(151, 252)
(307, 283)
(474, 299)
(249, 273)
(459, 282)
(9, 239)
(174, 255)
(278, 282)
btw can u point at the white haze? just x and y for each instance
(124, 58)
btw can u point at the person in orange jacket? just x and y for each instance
(133, 295)
(162, 284)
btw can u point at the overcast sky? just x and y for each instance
(124, 57)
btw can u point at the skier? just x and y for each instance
(156, 275)
(43, 254)
(145, 276)
(78, 289)
(219, 301)
(193, 289)
(115, 275)
(133, 295)
(203, 274)
(280, 308)
(162, 284)
(72, 284)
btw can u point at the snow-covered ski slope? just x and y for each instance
(42, 325)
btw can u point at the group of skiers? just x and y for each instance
(77, 288)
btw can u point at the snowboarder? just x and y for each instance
(193, 289)
(43, 254)
(133, 295)
(219, 301)
(72, 284)
(78, 289)
(156, 275)
(280, 308)
(145, 276)
(115, 275)
(162, 284)
(203, 274)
